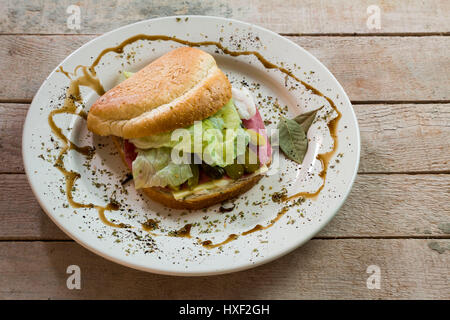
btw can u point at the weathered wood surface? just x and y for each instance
(369, 68)
(378, 206)
(398, 78)
(404, 137)
(394, 138)
(386, 68)
(333, 269)
(290, 16)
(12, 117)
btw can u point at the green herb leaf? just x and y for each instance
(293, 141)
(306, 119)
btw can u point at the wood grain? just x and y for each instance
(37, 56)
(321, 269)
(396, 76)
(404, 137)
(12, 117)
(22, 217)
(292, 16)
(386, 68)
(394, 138)
(369, 68)
(378, 206)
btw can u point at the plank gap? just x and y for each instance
(443, 172)
(27, 101)
(284, 34)
(355, 102)
(378, 34)
(405, 172)
(387, 237)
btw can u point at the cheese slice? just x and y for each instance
(204, 187)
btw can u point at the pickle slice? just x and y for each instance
(250, 158)
(193, 181)
(213, 172)
(235, 170)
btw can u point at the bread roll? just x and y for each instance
(180, 87)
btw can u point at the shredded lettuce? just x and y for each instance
(229, 115)
(221, 148)
(128, 74)
(154, 168)
(154, 141)
(221, 141)
(222, 138)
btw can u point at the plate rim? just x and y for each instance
(122, 261)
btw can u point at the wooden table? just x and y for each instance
(397, 216)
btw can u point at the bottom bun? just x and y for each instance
(204, 200)
(197, 201)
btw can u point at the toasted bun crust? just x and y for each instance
(182, 86)
(199, 201)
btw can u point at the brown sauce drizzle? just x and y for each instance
(69, 107)
(89, 79)
(259, 227)
(67, 74)
(150, 225)
(184, 232)
(324, 159)
(209, 245)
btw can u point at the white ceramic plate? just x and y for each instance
(275, 92)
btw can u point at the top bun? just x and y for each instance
(182, 86)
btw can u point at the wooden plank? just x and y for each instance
(404, 137)
(37, 56)
(12, 117)
(378, 206)
(394, 205)
(394, 138)
(386, 68)
(292, 16)
(369, 68)
(321, 269)
(22, 217)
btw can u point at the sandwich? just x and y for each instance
(189, 139)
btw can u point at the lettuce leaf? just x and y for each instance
(165, 139)
(221, 148)
(154, 168)
(222, 140)
(128, 74)
(154, 141)
(229, 115)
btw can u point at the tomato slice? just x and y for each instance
(130, 153)
(256, 124)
